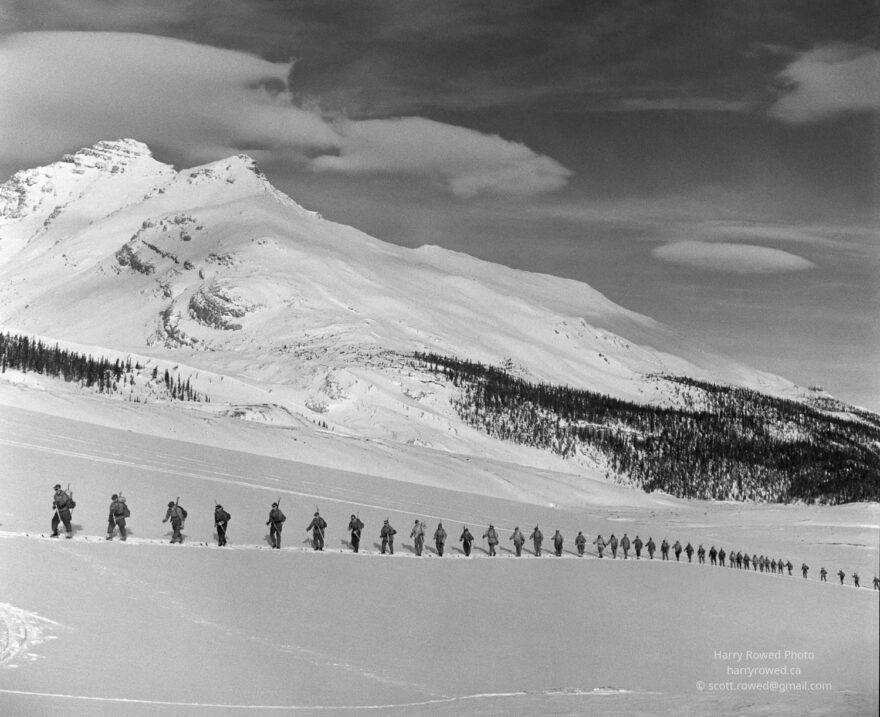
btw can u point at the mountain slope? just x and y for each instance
(213, 268)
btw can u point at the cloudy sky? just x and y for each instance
(713, 164)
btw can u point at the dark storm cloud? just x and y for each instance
(395, 57)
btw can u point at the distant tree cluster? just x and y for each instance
(30, 355)
(737, 445)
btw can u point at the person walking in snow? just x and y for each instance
(721, 556)
(612, 543)
(599, 542)
(557, 543)
(841, 575)
(491, 535)
(637, 546)
(418, 536)
(755, 563)
(387, 534)
(788, 566)
(317, 526)
(624, 546)
(822, 573)
(518, 540)
(116, 517)
(805, 569)
(856, 580)
(689, 550)
(62, 504)
(713, 556)
(876, 583)
(664, 550)
(739, 560)
(580, 542)
(440, 539)
(275, 523)
(652, 547)
(356, 527)
(701, 555)
(176, 513)
(746, 561)
(221, 520)
(466, 540)
(677, 549)
(537, 537)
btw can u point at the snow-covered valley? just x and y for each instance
(146, 627)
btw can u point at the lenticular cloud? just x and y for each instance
(731, 258)
(64, 90)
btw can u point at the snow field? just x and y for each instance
(150, 628)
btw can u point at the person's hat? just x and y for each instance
(57, 486)
(353, 515)
(417, 521)
(316, 512)
(114, 497)
(274, 505)
(219, 507)
(170, 503)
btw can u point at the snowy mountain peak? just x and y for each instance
(107, 153)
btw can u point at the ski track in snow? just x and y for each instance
(574, 692)
(19, 630)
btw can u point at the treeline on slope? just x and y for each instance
(736, 444)
(26, 354)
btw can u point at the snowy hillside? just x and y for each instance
(213, 268)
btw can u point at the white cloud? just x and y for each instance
(468, 162)
(829, 80)
(731, 258)
(63, 90)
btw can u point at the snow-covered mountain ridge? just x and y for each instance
(214, 268)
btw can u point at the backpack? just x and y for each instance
(126, 513)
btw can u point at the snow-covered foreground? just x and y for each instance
(89, 627)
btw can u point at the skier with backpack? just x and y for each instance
(557, 544)
(612, 543)
(387, 534)
(440, 539)
(356, 526)
(624, 546)
(538, 537)
(518, 540)
(62, 504)
(418, 536)
(116, 518)
(491, 535)
(637, 546)
(466, 539)
(177, 515)
(221, 520)
(689, 550)
(275, 523)
(677, 549)
(652, 546)
(580, 542)
(317, 527)
(599, 542)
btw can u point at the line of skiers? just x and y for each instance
(63, 503)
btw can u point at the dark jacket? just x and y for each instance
(355, 525)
